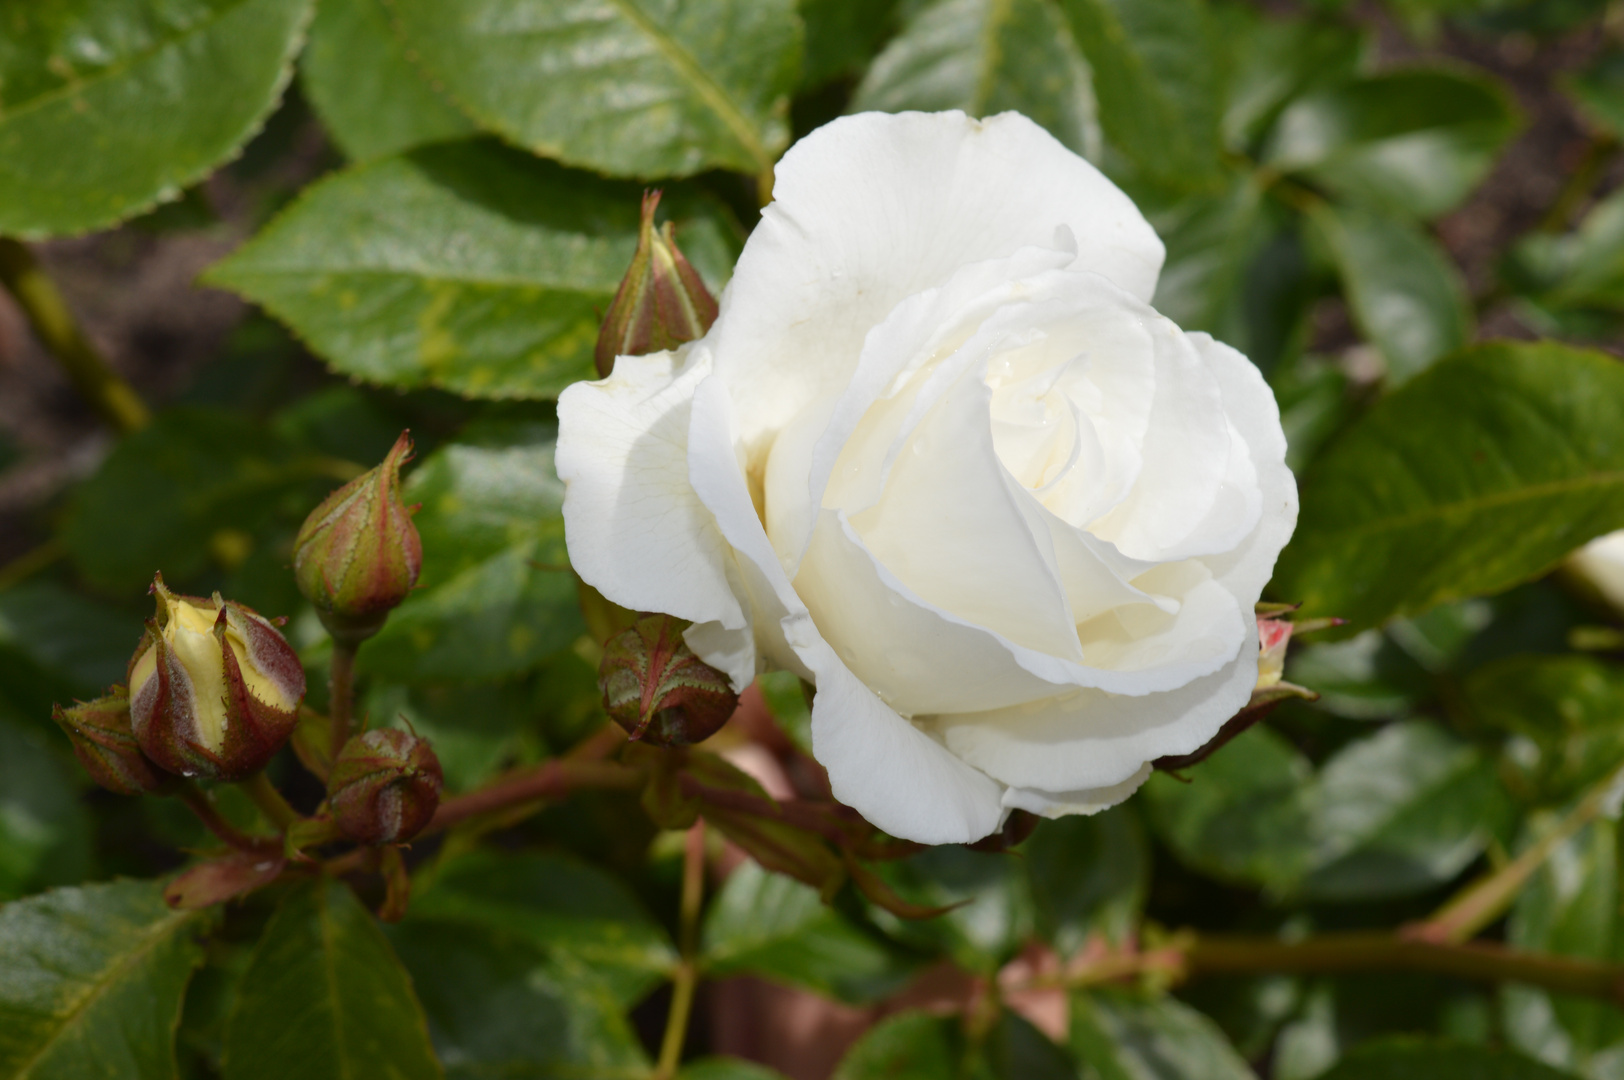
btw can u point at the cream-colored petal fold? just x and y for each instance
(1055, 804)
(874, 208)
(636, 531)
(887, 769)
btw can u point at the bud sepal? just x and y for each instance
(662, 301)
(658, 690)
(105, 744)
(214, 687)
(385, 787)
(358, 555)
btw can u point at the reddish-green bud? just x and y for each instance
(661, 301)
(358, 554)
(105, 744)
(658, 690)
(384, 787)
(214, 688)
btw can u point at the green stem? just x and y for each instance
(30, 563)
(1373, 951)
(1598, 152)
(270, 801)
(1488, 898)
(199, 803)
(685, 980)
(341, 694)
(53, 321)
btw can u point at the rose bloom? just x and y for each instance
(940, 457)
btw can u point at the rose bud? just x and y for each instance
(357, 555)
(661, 301)
(105, 744)
(1273, 636)
(658, 690)
(384, 787)
(214, 688)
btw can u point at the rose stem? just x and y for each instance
(200, 804)
(269, 800)
(53, 322)
(582, 767)
(1485, 900)
(341, 694)
(686, 977)
(1375, 951)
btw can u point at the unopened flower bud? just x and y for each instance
(105, 744)
(1273, 635)
(661, 301)
(384, 787)
(214, 688)
(658, 690)
(357, 555)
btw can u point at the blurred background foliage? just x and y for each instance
(411, 213)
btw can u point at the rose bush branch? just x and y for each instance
(685, 979)
(48, 312)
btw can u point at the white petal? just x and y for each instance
(1053, 804)
(1092, 739)
(895, 775)
(1186, 457)
(1602, 562)
(881, 765)
(874, 208)
(955, 528)
(636, 530)
(1251, 408)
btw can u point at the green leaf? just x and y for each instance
(1397, 812)
(1571, 907)
(1400, 812)
(91, 982)
(720, 1068)
(626, 87)
(1405, 294)
(108, 107)
(1410, 142)
(1127, 1036)
(1413, 1059)
(477, 729)
(571, 910)
(495, 595)
(773, 926)
(994, 917)
(1483, 472)
(1366, 677)
(841, 37)
(467, 266)
(1015, 1050)
(85, 644)
(1599, 90)
(1242, 814)
(1159, 82)
(45, 832)
(497, 1005)
(371, 99)
(1089, 875)
(907, 1044)
(163, 494)
(986, 57)
(1274, 60)
(325, 996)
(1580, 270)
(1211, 241)
(1566, 714)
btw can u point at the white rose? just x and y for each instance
(1601, 562)
(939, 456)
